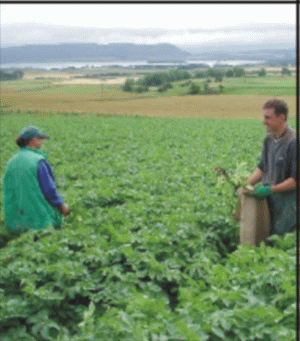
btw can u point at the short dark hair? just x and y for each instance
(279, 106)
(22, 142)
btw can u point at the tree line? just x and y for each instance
(11, 75)
(163, 80)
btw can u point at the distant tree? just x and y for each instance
(285, 71)
(187, 83)
(11, 75)
(217, 74)
(194, 89)
(238, 72)
(177, 75)
(219, 78)
(19, 74)
(155, 79)
(186, 75)
(129, 84)
(165, 87)
(221, 88)
(211, 72)
(200, 74)
(206, 87)
(229, 73)
(262, 72)
(141, 88)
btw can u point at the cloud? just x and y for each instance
(248, 27)
(36, 33)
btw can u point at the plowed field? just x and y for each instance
(231, 106)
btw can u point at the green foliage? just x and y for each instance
(200, 74)
(238, 72)
(285, 71)
(11, 75)
(165, 87)
(217, 74)
(250, 297)
(235, 72)
(237, 179)
(229, 73)
(262, 72)
(131, 86)
(211, 90)
(159, 78)
(271, 85)
(140, 88)
(128, 85)
(194, 89)
(150, 251)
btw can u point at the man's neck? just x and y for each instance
(280, 131)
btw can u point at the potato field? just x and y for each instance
(150, 251)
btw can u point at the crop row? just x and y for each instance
(150, 251)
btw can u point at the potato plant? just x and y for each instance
(150, 251)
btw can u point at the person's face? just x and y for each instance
(36, 143)
(271, 121)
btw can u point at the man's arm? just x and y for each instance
(255, 177)
(286, 185)
(48, 187)
(290, 183)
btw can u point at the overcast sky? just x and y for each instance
(180, 24)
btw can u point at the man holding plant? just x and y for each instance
(277, 168)
(30, 197)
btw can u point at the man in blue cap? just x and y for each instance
(31, 200)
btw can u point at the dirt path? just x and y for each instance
(69, 78)
(48, 75)
(117, 80)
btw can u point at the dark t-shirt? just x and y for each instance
(278, 158)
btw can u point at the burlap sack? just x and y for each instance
(254, 218)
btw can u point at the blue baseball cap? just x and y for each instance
(30, 132)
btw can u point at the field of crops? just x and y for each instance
(150, 251)
(241, 97)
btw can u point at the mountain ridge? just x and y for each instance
(163, 52)
(91, 52)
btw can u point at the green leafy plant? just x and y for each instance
(149, 251)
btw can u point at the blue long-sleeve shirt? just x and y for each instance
(47, 184)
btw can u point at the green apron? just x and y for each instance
(282, 208)
(25, 206)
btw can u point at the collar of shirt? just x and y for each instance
(277, 139)
(37, 151)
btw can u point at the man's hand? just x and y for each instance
(262, 192)
(255, 177)
(65, 210)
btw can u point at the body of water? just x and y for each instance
(88, 65)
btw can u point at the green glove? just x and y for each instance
(262, 192)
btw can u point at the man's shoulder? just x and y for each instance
(288, 137)
(291, 136)
(44, 165)
(290, 131)
(268, 138)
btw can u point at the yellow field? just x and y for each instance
(230, 106)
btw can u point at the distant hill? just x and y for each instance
(264, 52)
(91, 52)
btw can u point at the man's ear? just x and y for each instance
(283, 117)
